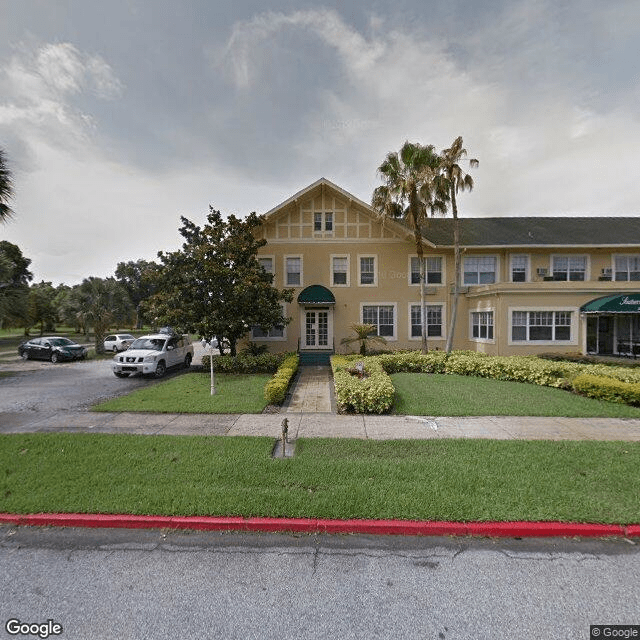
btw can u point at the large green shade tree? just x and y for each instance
(215, 286)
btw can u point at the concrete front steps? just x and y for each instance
(314, 358)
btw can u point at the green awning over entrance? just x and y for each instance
(316, 294)
(625, 303)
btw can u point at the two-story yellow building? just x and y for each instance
(529, 285)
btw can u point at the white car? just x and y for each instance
(152, 355)
(118, 342)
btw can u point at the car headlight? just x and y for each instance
(150, 358)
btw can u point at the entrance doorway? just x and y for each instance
(317, 328)
(614, 334)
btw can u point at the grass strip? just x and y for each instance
(454, 395)
(462, 480)
(191, 393)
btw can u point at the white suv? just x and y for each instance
(153, 355)
(118, 342)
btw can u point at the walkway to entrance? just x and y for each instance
(311, 391)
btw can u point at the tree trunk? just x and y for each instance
(456, 293)
(414, 206)
(423, 302)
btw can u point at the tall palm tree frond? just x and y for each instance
(6, 189)
(410, 191)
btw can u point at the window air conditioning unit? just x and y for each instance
(541, 271)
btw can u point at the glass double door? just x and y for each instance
(317, 328)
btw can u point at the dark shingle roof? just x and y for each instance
(493, 232)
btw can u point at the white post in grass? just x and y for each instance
(213, 379)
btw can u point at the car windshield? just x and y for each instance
(61, 342)
(152, 344)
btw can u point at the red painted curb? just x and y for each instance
(313, 525)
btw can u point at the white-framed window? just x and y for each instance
(293, 271)
(435, 321)
(482, 325)
(570, 268)
(433, 270)
(266, 262)
(340, 268)
(382, 317)
(520, 267)
(542, 326)
(480, 269)
(323, 221)
(367, 270)
(627, 268)
(278, 333)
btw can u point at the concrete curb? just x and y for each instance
(316, 525)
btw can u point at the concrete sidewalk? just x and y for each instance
(325, 425)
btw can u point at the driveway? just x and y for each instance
(47, 387)
(41, 386)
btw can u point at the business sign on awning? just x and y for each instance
(625, 303)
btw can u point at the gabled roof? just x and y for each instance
(499, 232)
(395, 225)
(539, 231)
(309, 189)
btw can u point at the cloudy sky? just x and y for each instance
(118, 117)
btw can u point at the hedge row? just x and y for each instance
(375, 393)
(275, 390)
(516, 368)
(264, 363)
(371, 394)
(608, 389)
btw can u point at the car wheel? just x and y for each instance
(24, 355)
(187, 361)
(160, 369)
(55, 357)
(119, 374)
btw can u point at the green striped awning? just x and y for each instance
(316, 294)
(625, 303)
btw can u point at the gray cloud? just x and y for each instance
(173, 108)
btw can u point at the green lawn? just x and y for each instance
(191, 393)
(328, 478)
(453, 395)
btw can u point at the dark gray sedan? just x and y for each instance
(53, 348)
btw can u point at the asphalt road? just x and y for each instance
(159, 584)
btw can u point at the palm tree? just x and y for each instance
(6, 189)
(409, 192)
(102, 303)
(452, 179)
(365, 334)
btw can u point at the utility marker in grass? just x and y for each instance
(213, 378)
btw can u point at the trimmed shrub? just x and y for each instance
(243, 363)
(529, 369)
(373, 393)
(603, 388)
(275, 390)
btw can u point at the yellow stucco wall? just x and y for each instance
(356, 233)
